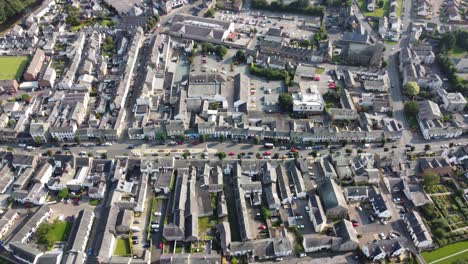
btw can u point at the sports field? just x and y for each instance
(12, 67)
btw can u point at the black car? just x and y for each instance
(134, 237)
(394, 147)
(65, 148)
(147, 245)
(135, 242)
(130, 147)
(155, 154)
(408, 145)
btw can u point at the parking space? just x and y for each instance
(258, 228)
(367, 226)
(265, 97)
(305, 226)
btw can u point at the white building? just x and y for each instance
(308, 102)
(452, 102)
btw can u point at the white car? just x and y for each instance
(300, 226)
(308, 148)
(299, 217)
(307, 208)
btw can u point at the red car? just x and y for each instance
(294, 150)
(355, 223)
(161, 245)
(266, 153)
(317, 78)
(76, 201)
(332, 86)
(262, 227)
(231, 153)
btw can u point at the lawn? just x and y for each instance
(94, 202)
(319, 70)
(49, 233)
(12, 67)
(378, 12)
(400, 7)
(122, 248)
(457, 52)
(446, 251)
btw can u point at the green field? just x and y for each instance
(12, 67)
(447, 251)
(123, 247)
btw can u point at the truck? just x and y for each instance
(269, 145)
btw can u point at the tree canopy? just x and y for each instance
(412, 89)
(286, 102)
(430, 179)
(411, 107)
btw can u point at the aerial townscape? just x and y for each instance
(234, 131)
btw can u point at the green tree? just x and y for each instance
(411, 108)
(26, 97)
(240, 57)
(77, 140)
(221, 155)
(63, 193)
(221, 51)
(266, 213)
(296, 155)
(161, 135)
(412, 89)
(429, 211)
(285, 101)
(430, 179)
(305, 43)
(210, 13)
(234, 261)
(427, 147)
(221, 138)
(202, 138)
(256, 140)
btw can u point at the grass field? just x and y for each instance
(447, 251)
(123, 247)
(12, 67)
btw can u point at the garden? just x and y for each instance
(49, 233)
(123, 247)
(447, 218)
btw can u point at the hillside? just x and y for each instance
(10, 8)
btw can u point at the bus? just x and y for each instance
(269, 145)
